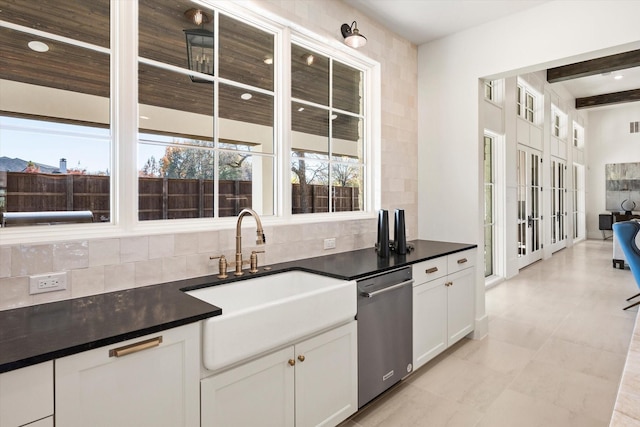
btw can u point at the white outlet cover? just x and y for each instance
(330, 243)
(54, 282)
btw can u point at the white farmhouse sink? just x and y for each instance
(266, 312)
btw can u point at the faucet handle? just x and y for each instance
(254, 261)
(222, 266)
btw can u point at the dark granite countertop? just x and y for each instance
(39, 333)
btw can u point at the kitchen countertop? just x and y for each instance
(627, 409)
(39, 333)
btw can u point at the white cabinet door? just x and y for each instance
(26, 394)
(429, 320)
(258, 393)
(153, 386)
(327, 377)
(460, 304)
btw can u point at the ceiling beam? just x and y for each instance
(593, 67)
(608, 98)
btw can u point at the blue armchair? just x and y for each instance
(626, 233)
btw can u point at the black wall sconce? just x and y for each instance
(352, 36)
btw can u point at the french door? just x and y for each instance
(558, 220)
(529, 190)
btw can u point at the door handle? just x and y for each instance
(382, 291)
(136, 347)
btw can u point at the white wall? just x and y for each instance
(449, 135)
(609, 141)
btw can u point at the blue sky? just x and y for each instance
(47, 143)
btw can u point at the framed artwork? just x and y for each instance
(622, 186)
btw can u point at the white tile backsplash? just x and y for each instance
(134, 249)
(104, 252)
(161, 246)
(70, 255)
(34, 259)
(5, 262)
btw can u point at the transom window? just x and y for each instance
(578, 135)
(558, 122)
(527, 103)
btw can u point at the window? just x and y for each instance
(527, 103)
(206, 146)
(327, 133)
(578, 208)
(489, 206)
(489, 90)
(558, 123)
(56, 155)
(494, 90)
(578, 135)
(207, 132)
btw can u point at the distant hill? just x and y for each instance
(18, 165)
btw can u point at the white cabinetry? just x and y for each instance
(148, 381)
(313, 382)
(443, 303)
(26, 396)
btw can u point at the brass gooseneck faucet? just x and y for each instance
(260, 239)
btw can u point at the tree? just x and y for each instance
(345, 175)
(32, 168)
(197, 163)
(151, 168)
(307, 174)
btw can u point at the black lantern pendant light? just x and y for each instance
(199, 46)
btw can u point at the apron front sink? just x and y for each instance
(263, 313)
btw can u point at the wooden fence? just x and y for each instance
(159, 198)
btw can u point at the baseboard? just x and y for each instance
(482, 328)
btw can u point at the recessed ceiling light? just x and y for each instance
(334, 116)
(268, 60)
(618, 76)
(246, 96)
(301, 109)
(38, 46)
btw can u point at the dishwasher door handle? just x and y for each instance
(382, 291)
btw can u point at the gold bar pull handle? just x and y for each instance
(462, 260)
(431, 270)
(136, 347)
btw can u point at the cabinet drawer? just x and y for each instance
(461, 260)
(428, 270)
(26, 394)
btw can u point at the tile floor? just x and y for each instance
(554, 355)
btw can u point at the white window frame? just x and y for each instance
(578, 135)
(124, 128)
(499, 208)
(558, 123)
(529, 111)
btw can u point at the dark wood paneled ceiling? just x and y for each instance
(161, 37)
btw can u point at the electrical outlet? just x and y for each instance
(47, 282)
(330, 243)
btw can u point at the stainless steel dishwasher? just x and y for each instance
(384, 332)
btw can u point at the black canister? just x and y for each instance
(382, 246)
(399, 233)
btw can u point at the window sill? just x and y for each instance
(61, 233)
